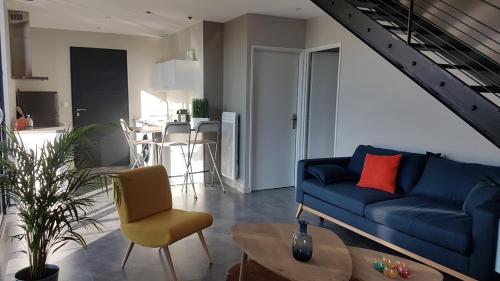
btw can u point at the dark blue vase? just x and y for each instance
(302, 244)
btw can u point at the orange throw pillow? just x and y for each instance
(380, 172)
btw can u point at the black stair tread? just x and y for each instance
(404, 28)
(469, 67)
(363, 4)
(431, 47)
(486, 89)
(385, 15)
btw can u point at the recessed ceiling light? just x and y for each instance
(148, 12)
(108, 18)
(190, 18)
(298, 9)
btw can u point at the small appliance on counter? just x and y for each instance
(183, 115)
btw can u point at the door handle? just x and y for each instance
(294, 121)
(78, 111)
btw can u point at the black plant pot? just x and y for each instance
(51, 270)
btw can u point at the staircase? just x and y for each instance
(452, 55)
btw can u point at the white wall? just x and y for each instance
(322, 104)
(379, 105)
(51, 57)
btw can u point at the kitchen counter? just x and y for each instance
(43, 130)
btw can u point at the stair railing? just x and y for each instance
(411, 31)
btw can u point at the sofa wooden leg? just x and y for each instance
(321, 221)
(299, 211)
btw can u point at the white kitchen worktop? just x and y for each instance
(45, 130)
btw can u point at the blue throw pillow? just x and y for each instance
(410, 168)
(451, 181)
(487, 190)
(329, 173)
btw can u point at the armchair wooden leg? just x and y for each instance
(129, 249)
(299, 211)
(170, 263)
(204, 244)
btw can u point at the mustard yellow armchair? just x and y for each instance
(147, 217)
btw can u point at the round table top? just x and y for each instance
(271, 246)
(363, 270)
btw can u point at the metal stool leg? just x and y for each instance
(216, 170)
(189, 171)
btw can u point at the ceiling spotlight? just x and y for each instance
(190, 18)
(108, 18)
(148, 12)
(298, 9)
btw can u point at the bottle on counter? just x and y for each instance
(30, 121)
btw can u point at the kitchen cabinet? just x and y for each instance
(177, 75)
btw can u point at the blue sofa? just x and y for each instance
(426, 216)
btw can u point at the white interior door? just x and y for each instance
(322, 103)
(275, 81)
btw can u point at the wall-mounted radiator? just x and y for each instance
(229, 145)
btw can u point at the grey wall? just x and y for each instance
(213, 38)
(322, 104)
(240, 34)
(235, 81)
(379, 105)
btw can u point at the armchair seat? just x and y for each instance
(147, 217)
(166, 228)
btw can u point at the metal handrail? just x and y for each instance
(440, 47)
(465, 14)
(491, 4)
(455, 28)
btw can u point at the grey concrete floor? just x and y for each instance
(101, 260)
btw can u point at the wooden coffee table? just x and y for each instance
(363, 260)
(270, 245)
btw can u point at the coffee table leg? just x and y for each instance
(242, 265)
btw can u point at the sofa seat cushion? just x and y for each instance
(436, 222)
(346, 195)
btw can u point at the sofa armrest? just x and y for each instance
(302, 175)
(484, 235)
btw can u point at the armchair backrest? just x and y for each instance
(144, 192)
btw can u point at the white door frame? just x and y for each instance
(254, 48)
(303, 100)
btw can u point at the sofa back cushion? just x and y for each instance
(410, 168)
(486, 190)
(451, 181)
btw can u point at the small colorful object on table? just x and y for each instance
(391, 269)
(405, 273)
(379, 266)
(391, 272)
(403, 270)
(387, 262)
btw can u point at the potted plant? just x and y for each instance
(44, 185)
(200, 111)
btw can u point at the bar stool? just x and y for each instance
(202, 128)
(139, 159)
(179, 128)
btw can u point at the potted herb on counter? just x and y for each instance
(200, 111)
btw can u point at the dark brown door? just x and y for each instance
(99, 89)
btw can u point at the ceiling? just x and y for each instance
(164, 17)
